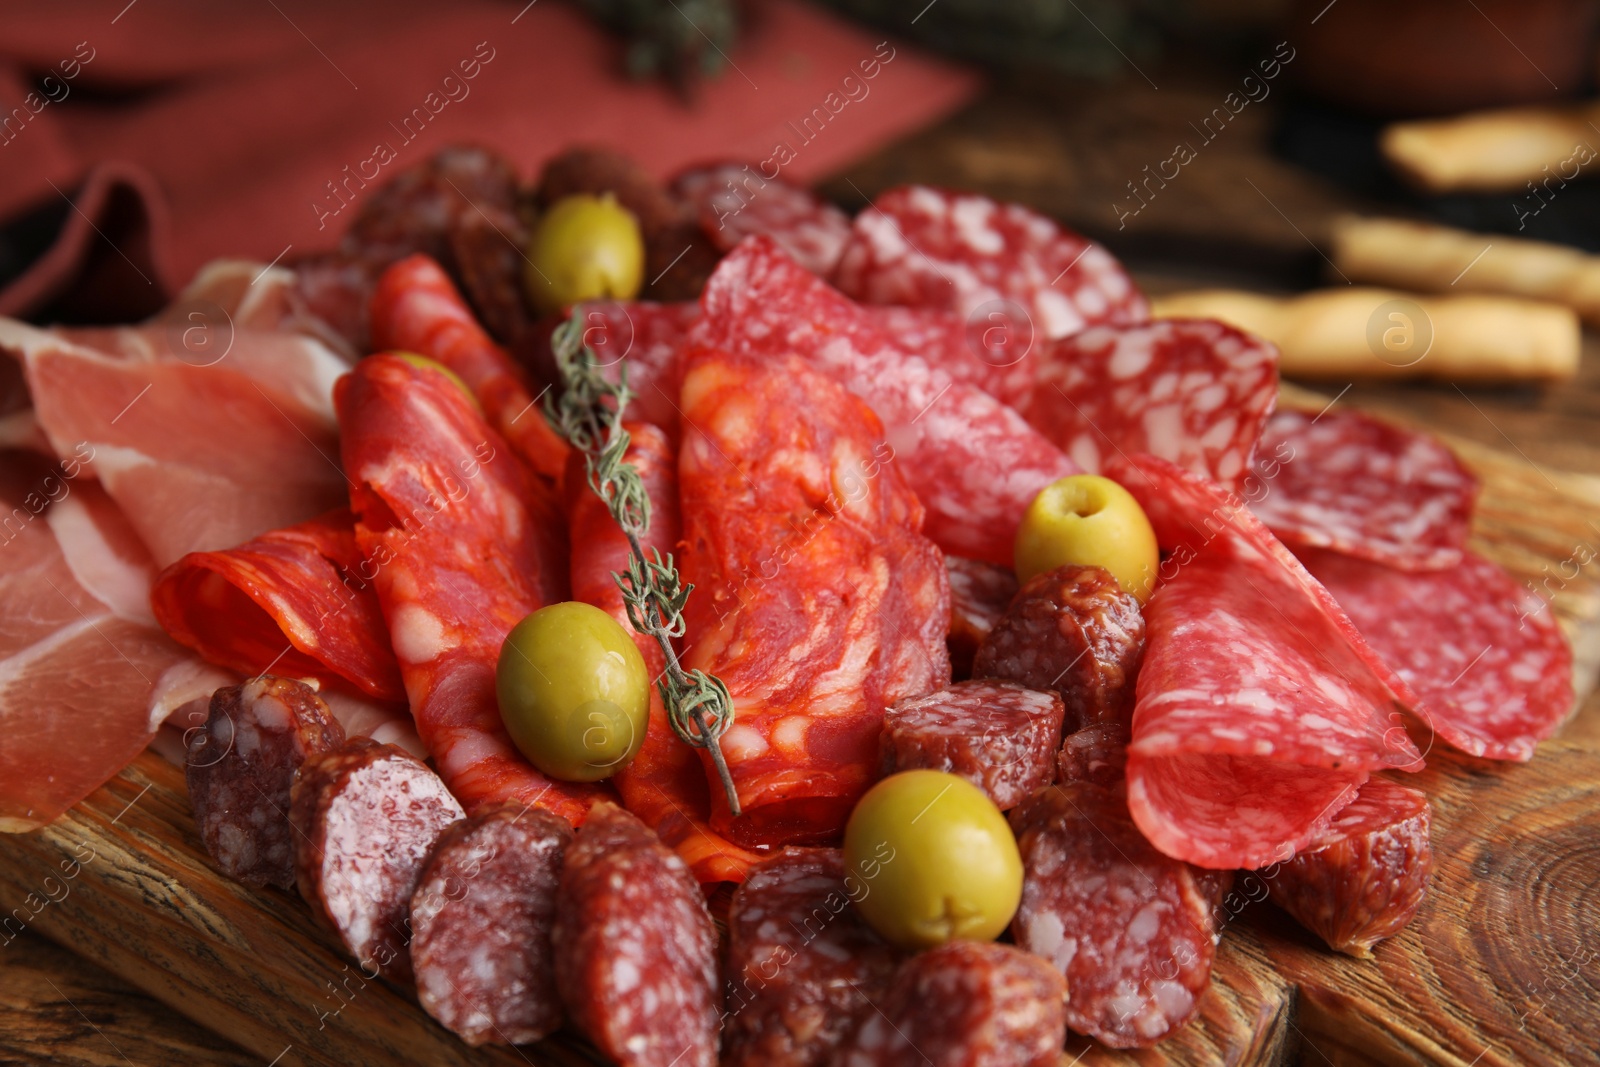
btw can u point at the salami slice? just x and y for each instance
(965, 1004)
(664, 784)
(1193, 391)
(1364, 877)
(817, 600)
(365, 816)
(994, 351)
(1365, 487)
(1097, 753)
(481, 920)
(239, 767)
(999, 736)
(803, 968)
(1484, 654)
(298, 601)
(635, 950)
(1074, 631)
(445, 517)
(1259, 710)
(974, 462)
(1132, 930)
(965, 253)
(979, 595)
(648, 339)
(733, 201)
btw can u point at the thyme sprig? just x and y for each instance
(588, 414)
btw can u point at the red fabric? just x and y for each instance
(246, 113)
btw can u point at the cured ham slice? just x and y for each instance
(817, 600)
(201, 449)
(1259, 711)
(296, 602)
(458, 558)
(664, 783)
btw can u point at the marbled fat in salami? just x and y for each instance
(803, 968)
(1132, 930)
(979, 595)
(1484, 654)
(733, 201)
(974, 462)
(446, 515)
(1364, 487)
(481, 919)
(365, 818)
(1192, 391)
(1259, 710)
(965, 253)
(296, 601)
(965, 1004)
(999, 736)
(239, 766)
(817, 600)
(635, 950)
(995, 351)
(1074, 631)
(1364, 877)
(648, 339)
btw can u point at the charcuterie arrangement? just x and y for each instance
(749, 634)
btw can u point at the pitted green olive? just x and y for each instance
(584, 248)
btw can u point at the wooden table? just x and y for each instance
(1236, 216)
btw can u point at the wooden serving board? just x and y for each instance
(1502, 965)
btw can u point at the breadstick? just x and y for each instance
(1383, 333)
(1495, 151)
(1429, 258)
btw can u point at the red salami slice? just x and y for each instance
(1132, 930)
(481, 918)
(239, 767)
(965, 1004)
(1192, 391)
(1097, 754)
(1488, 663)
(979, 595)
(1072, 630)
(817, 600)
(1363, 878)
(999, 736)
(1347, 481)
(966, 253)
(1259, 711)
(974, 462)
(358, 846)
(298, 601)
(445, 515)
(734, 200)
(994, 351)
(635, 950)
(648, 339)
(803, 969)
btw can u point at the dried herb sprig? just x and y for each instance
(588, 414)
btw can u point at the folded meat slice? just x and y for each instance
(1259, 710)
(817, 599)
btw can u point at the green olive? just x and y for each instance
(1091, 521)
(584, 248)
(931, 859)
(574, 692)
(432, 364)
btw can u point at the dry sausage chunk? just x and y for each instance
(1000, 736)
(1132, 930)
(635, 950)
(481, 918)
(979, 595)
(803, 968)
(239, 767)
(1364, 877)
(1096, 753)
(965, 1004)
(1075, 631)
(365, 818)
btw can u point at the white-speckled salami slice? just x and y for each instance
(1192, 391)
(994, 351)
(1490, 668)
(1365, 487)
(734, 200)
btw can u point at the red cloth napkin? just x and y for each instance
(183, 130)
